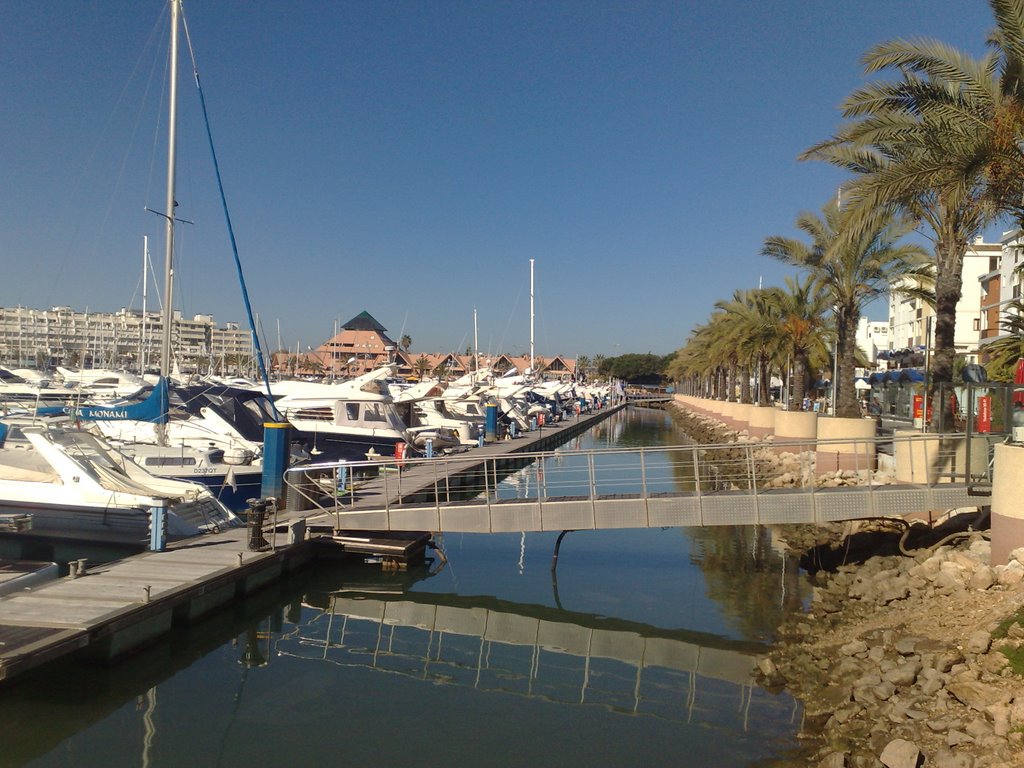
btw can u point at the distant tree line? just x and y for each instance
(648, 368)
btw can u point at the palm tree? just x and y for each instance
(405, 342)
(747, 339)
(582, 364)
(803, 308)
(1004, 351)
(853, 268)
(942, 144)
(421, 366)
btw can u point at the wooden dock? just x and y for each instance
(109, 610)
(113, 608)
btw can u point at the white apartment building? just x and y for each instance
(872, 337)
(911, 319)
(122, 339)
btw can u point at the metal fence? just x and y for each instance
(755, 482)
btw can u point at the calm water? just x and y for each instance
(637, 653)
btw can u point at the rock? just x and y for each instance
(853, 648)
(955, 738)
(979, 642)
(900, 753)
(906, 646)
(1000, 714)
(982, 579)
(1017, 556)
(883, 691)
(767, 667)
(973, 694)
(1010, 574)
(834, 760)
(827, 700)
(946, 759)
(904, 674)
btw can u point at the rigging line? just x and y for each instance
(104, 131)
(227, 216)
(515, 306)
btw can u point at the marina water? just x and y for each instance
(636, 650)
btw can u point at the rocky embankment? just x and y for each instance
(912, 651)
(906, 661)
(775, 468)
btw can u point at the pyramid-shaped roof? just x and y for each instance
(364, 321)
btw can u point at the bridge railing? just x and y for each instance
(589, 476)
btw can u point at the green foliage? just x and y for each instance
(634, 368)
(1003, 628)
(1016, 658)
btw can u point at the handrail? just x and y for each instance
(644, 473)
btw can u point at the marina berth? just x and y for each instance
(425, 411)
(74, 484)
(344, 420)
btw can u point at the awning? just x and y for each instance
(911, 374)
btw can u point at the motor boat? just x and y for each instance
(74, 484)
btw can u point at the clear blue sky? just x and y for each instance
(409, 158)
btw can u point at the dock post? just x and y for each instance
(492, 420)
(430, 448)
(276, 450)
(158, 526)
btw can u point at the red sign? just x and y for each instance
(985, 413)
(918, 406)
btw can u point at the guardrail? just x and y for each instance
(778, 471)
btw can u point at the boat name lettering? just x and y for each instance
(110, 414)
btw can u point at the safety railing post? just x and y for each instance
(643, 476)
(593, 488)
(753, 483)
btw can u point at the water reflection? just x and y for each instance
(536, 651)
(476, 664)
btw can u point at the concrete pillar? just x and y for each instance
(761, 420)
(797, 426)
(929, 458)
(858, 453)
(1007, 510)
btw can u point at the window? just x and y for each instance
(977, 323)
(373, 412)
(352, 411)
(170, 461)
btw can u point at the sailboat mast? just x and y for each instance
(172, 137)
(145, 287)
(476, 345)
(531, 316)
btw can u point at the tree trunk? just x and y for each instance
(799, 388)
(745, 385)
(846, 350)
(949, 258)
(732, 382)
(762, 381)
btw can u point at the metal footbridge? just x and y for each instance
(688, 485)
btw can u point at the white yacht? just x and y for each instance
(75, 485)
(344, 420)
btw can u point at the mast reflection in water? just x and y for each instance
(640, 652)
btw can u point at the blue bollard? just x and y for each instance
(158, 526)
(513, 429)
(480, 438)
(430, 448)
(276, 451)
(342, 477)
(491, 411)
(533, 423)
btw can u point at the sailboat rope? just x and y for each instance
(227, 216)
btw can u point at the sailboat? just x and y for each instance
(211, 434)
(75, 484)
